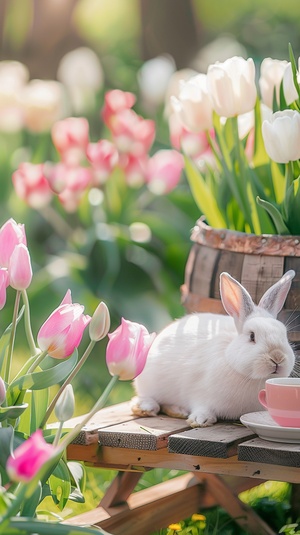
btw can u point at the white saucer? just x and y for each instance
(263, 425)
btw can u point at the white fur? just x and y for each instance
(205, 366)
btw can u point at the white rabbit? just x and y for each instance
(206, 367)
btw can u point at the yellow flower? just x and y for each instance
(196, 517)
(175, 527)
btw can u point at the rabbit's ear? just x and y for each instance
(274, 298)
(236, 300)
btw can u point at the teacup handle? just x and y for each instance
(262, 397)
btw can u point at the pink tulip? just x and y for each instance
(19, 269)
(191, 143)
(114, 102)
(127, 350)
(31, 185)
(134, 169)
(132, 134)
(11, 234)
(63, 330)
(164, 171)
(4, 282)
(71, 137)
(77, 180)
(56, 174)
(104, 157)
(29, 457)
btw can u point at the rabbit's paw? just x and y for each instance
(144, 406)
(201, 418)
(175, 411)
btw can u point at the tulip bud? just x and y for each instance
(100, 323)
(29, 457)
(2, 391)
(127, 350)
(65, 405)
(19, 269)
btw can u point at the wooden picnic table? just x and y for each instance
(218, 463)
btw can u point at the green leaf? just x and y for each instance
(12, 412)
(292, 207)
(29, 526)
(29, 506)
(43, 379)
(4, 341)
(275, 215)
(294, 68)
(78, 473)
(60, 484)
(278, 179)
(39, 404)
(282, 102)
(203, 196)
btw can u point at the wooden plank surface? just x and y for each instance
(105, 417)
(221, 440)
(200, 278)
(270, 452)
(142, 433)
(260, 272)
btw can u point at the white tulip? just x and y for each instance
(281, 135)
(81, 73)
(153, 79)
(231, 86)
(13, 76)
(271, 75)
(43, 104)
(193, 104)
(289, 89)
(173, 88)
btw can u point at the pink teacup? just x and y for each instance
(282, 399)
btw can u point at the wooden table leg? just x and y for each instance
(239, 511)
(120, 489)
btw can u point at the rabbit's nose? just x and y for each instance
(276, 356)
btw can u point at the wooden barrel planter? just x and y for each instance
(255, 261)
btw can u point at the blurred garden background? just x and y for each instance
(124, 239)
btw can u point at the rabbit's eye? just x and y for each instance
(252, 336)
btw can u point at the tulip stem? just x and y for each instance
(67, 382)
(289, 176)
(33, 349)
(37, 361)
(12, 337)
(98, 405)
(58, 434)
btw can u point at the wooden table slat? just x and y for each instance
(104, 418)
(221, 440)
(268, 452)
(142, 433)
